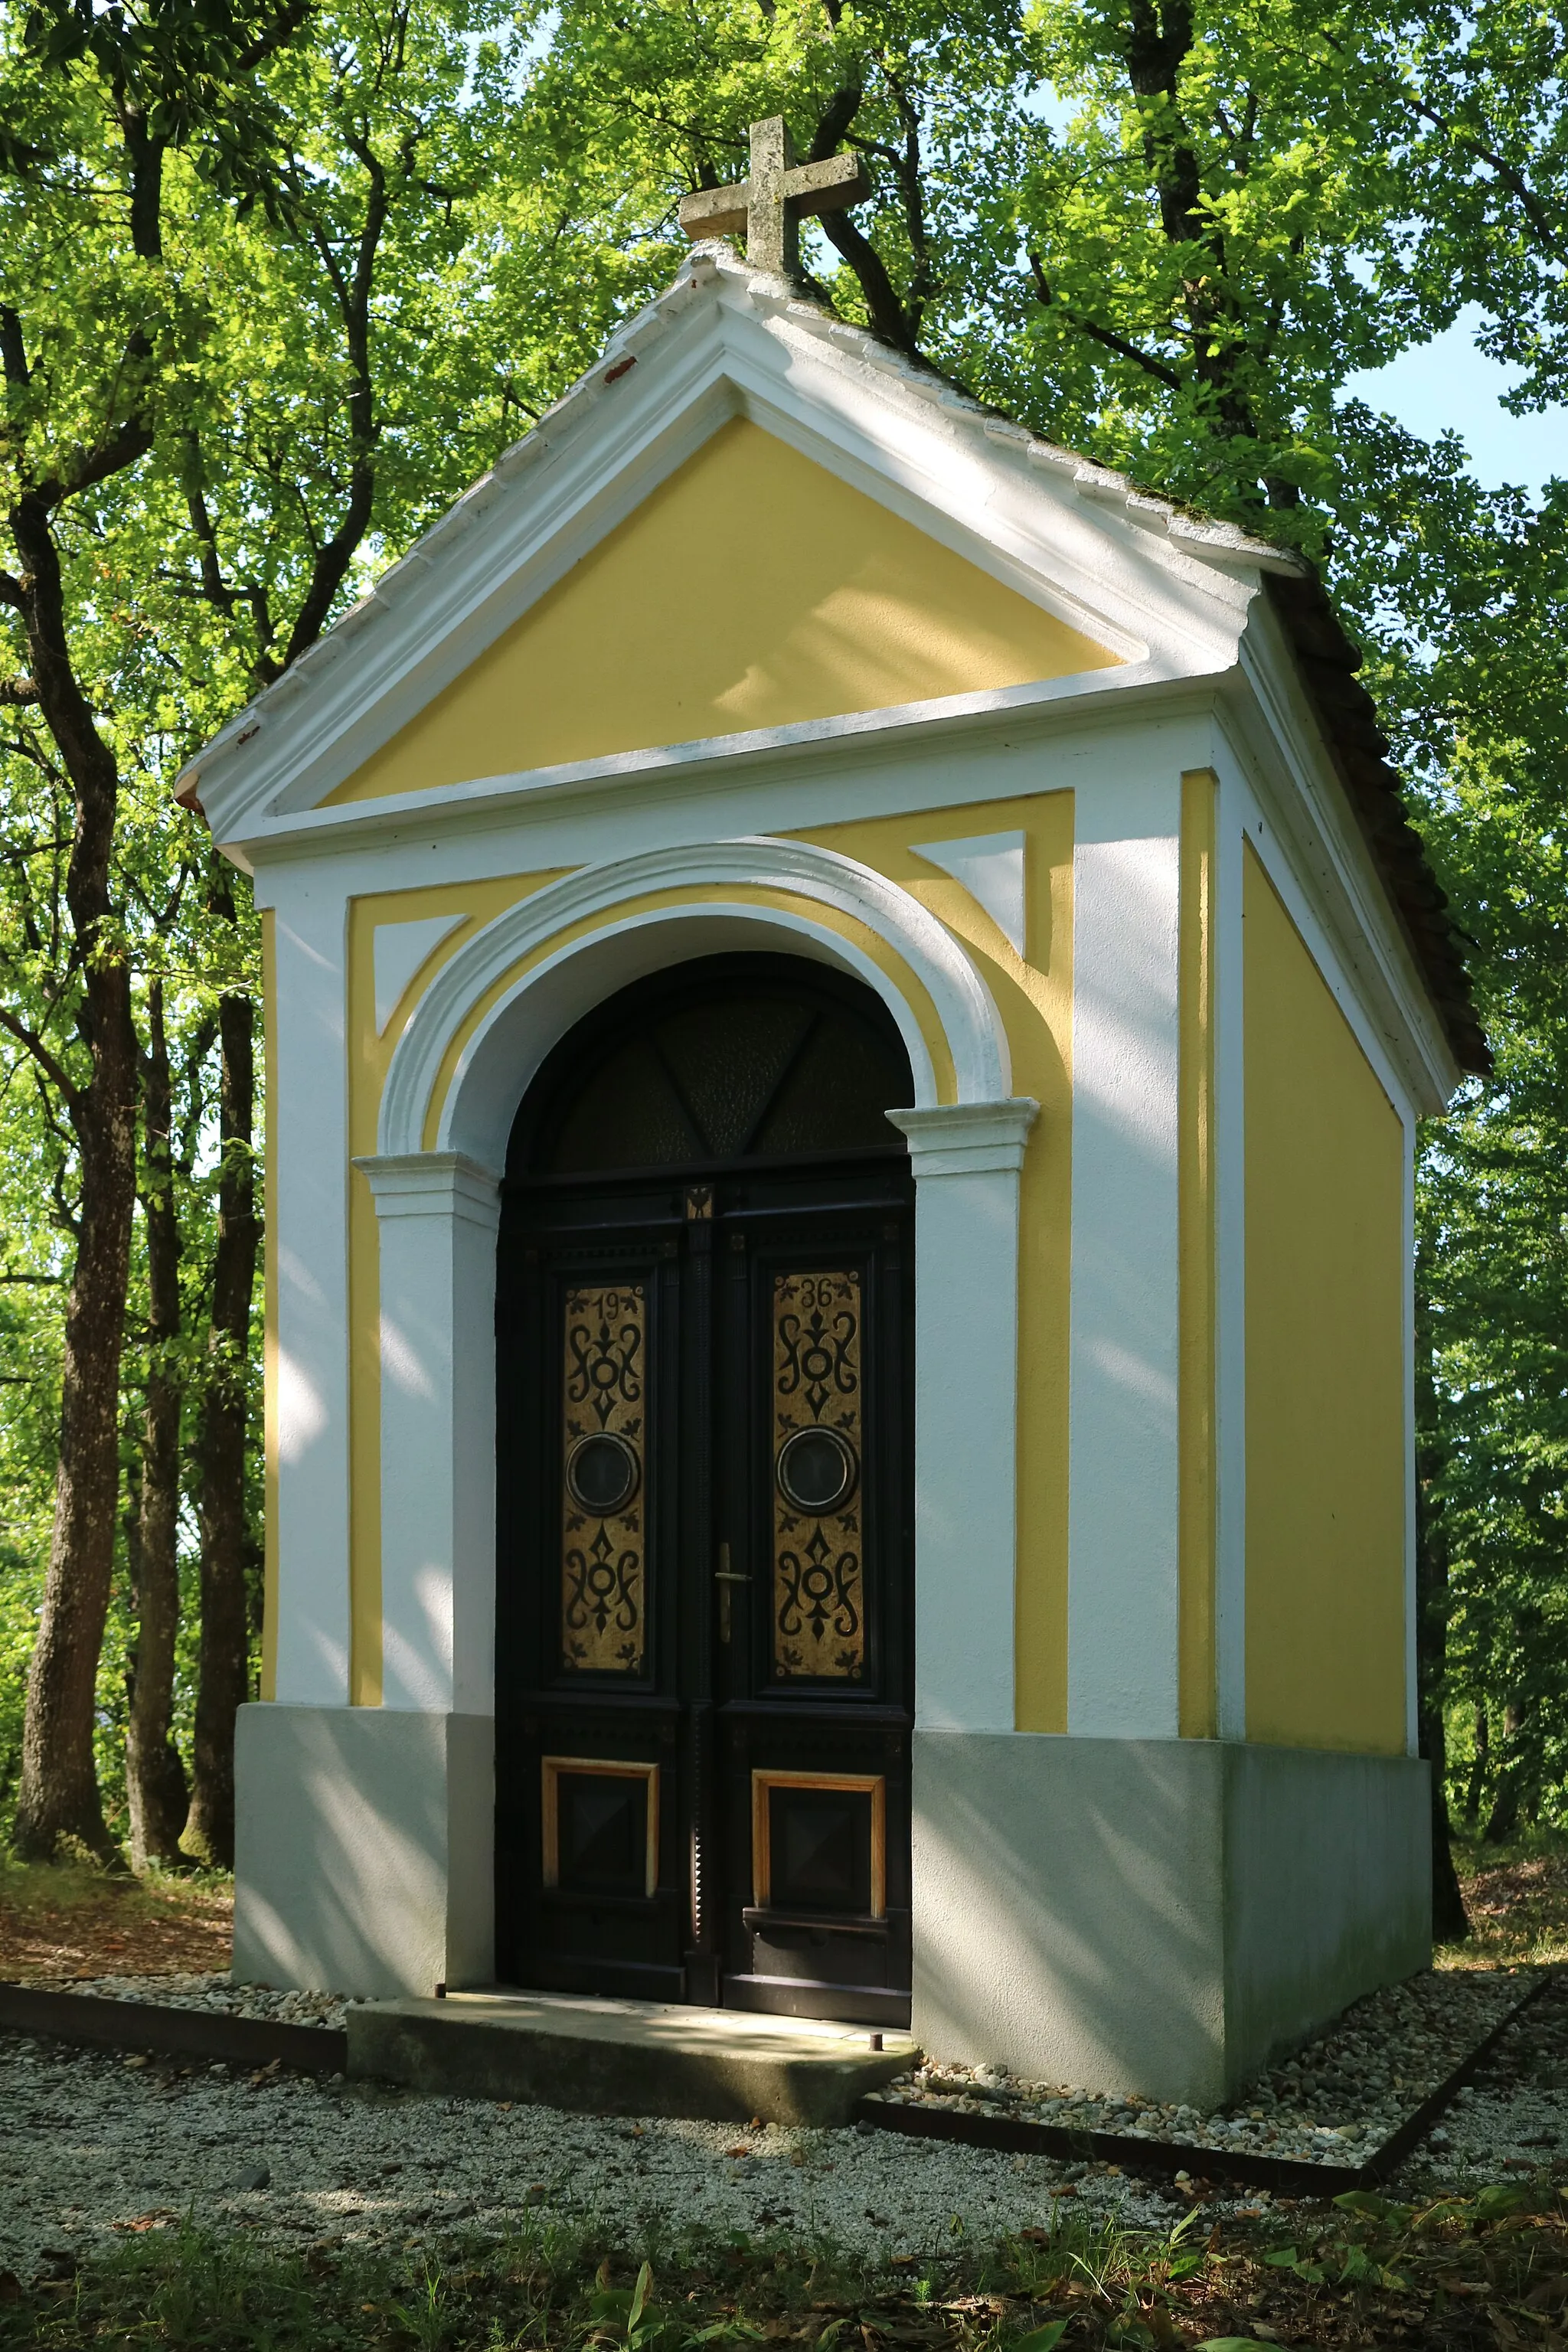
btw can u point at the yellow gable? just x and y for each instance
(752, 589)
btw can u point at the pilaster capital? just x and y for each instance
(433, 1184)
(969, 1138)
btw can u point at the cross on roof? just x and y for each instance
(767, 208)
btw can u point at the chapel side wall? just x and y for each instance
(1325, 1306)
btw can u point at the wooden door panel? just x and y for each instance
(814, 1699)
(591, 1800)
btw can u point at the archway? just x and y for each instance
(478, 1036)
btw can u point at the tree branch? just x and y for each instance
(55, 1071)
(1112, 343)
(283, 27)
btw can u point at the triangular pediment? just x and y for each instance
(752, 589)
(753, 528)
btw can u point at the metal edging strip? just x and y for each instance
(1295, 2175)
(97, 2023)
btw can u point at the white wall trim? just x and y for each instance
(498, 1059)
(310, 1216)
(437, 1218)
(1273, 734)
(1124, 1489)
(966, 1159)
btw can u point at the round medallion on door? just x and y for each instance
(602, 1474)
(817, 1470)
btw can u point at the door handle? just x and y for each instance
(724, 1576)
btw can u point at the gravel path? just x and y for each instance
(219, 1996)
(91, 2144)
(1511, 2122)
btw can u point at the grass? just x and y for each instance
(76, 1919)
(1465, 2271)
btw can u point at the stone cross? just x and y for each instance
(767, 209)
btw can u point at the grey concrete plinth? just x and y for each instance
(622, 2057)
(364, 1840)
(1157, 1916)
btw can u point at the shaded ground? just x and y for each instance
(73, 1919)
(1482, 2272)
(1484, 2268)
(1517, 1897)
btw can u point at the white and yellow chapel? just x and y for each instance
(847, 999)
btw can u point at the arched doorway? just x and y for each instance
(704, 1587)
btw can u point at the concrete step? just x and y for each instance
(624, 2057)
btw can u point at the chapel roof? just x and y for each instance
(1327, 659)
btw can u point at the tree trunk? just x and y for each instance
(154, 1776)
(221, 1441)
(1503, 1819)
(59, 1797)
(1480, 1766)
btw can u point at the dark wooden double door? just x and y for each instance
(704, 1629)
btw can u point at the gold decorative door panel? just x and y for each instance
(603, 1478)
(818, 1613)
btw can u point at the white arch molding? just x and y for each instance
(520, 1027)
(437, 1214)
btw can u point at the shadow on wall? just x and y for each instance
(364, 1849)
(1155, 1916)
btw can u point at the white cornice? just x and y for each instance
(1280, 744)
(710, 761)
(968, 1138)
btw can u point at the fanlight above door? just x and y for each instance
(747, 1057)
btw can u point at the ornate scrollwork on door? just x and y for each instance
(603, 1550)
(818, 1439)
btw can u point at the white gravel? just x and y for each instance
(1511, 2122)
(1504, 2134)
(91, 2144)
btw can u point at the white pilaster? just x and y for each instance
(966, 1159)
(1122, 1494)
(309, 1214)
(437, 1214)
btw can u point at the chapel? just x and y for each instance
(847, 996)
